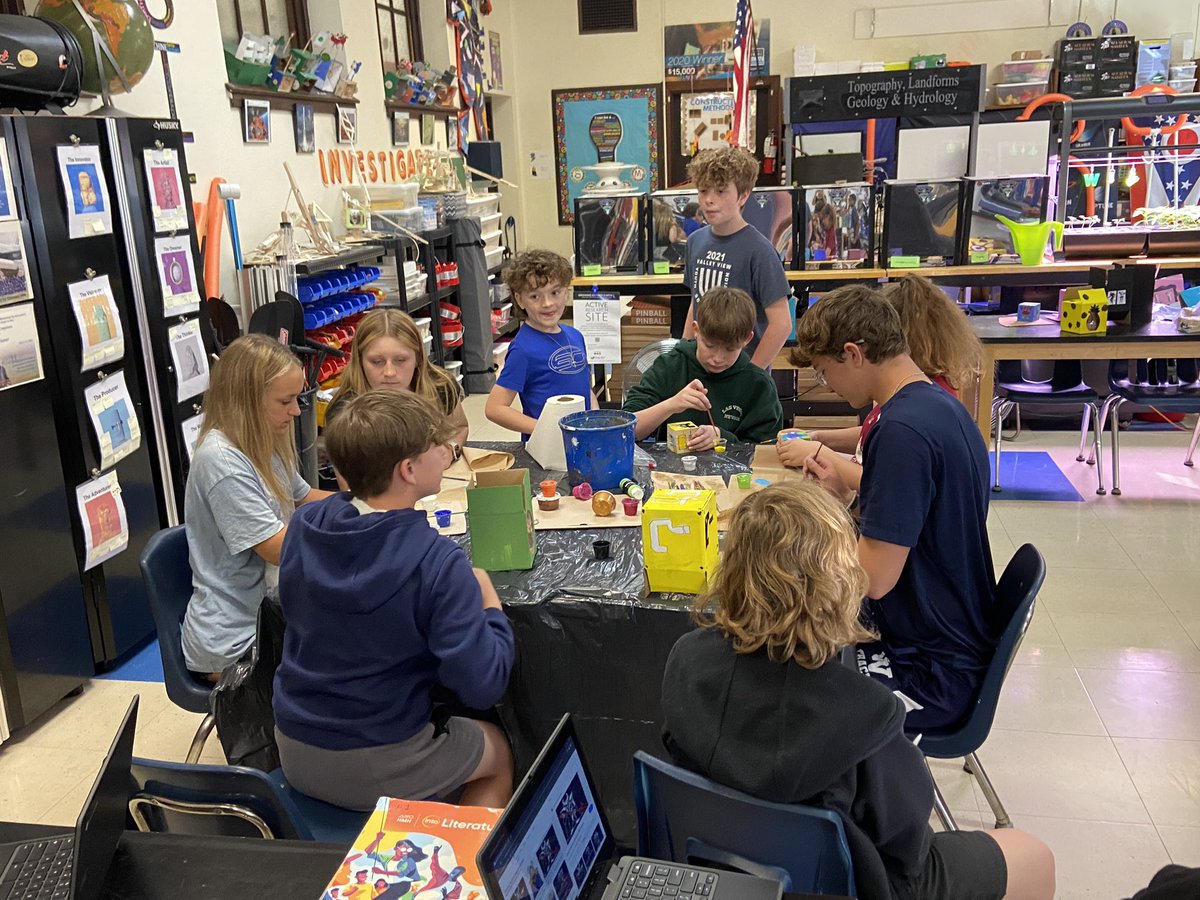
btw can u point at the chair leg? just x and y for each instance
(1114, 409)
(1192, 446)
(1098, 447)
(975, 767)
(999, 410)
(202, 733)
(1083, 433)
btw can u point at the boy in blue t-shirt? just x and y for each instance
(924, 505)
(546, 358)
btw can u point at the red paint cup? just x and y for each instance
(631, 505)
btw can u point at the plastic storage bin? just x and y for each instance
(1025, 71)
(1019, 94)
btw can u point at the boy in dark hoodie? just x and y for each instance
(710, 375)
(757, 699)
(380, 609)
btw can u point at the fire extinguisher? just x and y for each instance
(769, 152)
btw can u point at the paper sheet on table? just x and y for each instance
(572, 514)
(728, 495)
(453, 499)
(767, 467)
(475, 459)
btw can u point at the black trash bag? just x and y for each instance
(241, 701)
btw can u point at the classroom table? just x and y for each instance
(174, 866)
(593, 642)
(1157, 340)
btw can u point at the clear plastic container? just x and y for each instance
(1183, 72)
(1025, 71)
(1020, 94)
(1183, 85)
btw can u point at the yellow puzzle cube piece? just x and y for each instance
(679, 540)
(1084, 311)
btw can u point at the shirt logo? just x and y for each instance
(733, 412)
(568, 360)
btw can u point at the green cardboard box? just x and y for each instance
(500, 521)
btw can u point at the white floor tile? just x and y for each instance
(1098, 860)
(1089, 591)
(1140, 704)
(1149, 641)
(1182, 843)
(1046, 698)
(1167, 775)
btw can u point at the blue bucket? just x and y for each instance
(599, 445)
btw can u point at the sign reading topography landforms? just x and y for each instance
(705, 50)
(887, 95)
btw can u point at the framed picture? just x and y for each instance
(611, 133)
(302, 122)
(427, 127)
(400, 130)
(258, 121)
(347, 132)
(8, 208)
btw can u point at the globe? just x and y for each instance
(122, 26)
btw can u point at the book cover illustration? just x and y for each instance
(415, 850)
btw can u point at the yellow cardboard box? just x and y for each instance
(1084, 311)
(678, 434)
(679, 540)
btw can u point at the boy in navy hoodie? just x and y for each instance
(381, 609)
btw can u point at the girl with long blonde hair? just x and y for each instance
(389, 353)
(241, 491)
(942, 344)
(757, 699)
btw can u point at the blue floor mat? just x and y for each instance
(1032, 475)
(144, 664)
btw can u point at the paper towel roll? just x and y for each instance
(546, 443)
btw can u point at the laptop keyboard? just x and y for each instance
(656, 880)
(39, 870)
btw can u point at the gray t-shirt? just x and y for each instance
(228, 510)
(744, 260)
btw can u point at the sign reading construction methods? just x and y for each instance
(888, 95)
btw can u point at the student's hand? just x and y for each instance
(703, 438)
(827, 474)
(491, 600)
(793, 452)
(693, 396)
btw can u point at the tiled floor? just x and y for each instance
(1096, 744)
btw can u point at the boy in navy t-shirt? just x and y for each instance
(546, 358)
(923, 505)
(729, 252)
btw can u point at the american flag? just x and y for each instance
(743, 59)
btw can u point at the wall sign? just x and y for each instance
(886, 95)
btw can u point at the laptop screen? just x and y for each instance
(100, 824)
(553, 833)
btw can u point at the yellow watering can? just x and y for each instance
(1029, 238)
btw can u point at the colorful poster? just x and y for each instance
(191, 362)
(191, 433)
(85, 190)
(177, 275)
(102, 512)
(8, 206)
(167, 203)
(111, 411)
(15, 285)
(605, 138)
(705, 121)
(20, 354)
(705, 50)
(99, 324)
(497, 69)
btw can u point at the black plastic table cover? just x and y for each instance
(592, 642)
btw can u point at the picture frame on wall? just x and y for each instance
(605, 125)
(400, 129)
(256, 121)
(302, 122)
(347, 120)
(427, 127)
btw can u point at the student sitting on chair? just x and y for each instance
(757, 699)
(710, 376)
(381, 609)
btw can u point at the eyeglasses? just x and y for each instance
(820, 374)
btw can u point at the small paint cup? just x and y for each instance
(720, 446)
(689, 463)
(743, 480)
(582, 491)
(443, 518)
(601, 549)
(547, 504)
(631, 506)
(549, 487)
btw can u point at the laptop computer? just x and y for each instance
(73, 865)
(553, 843)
